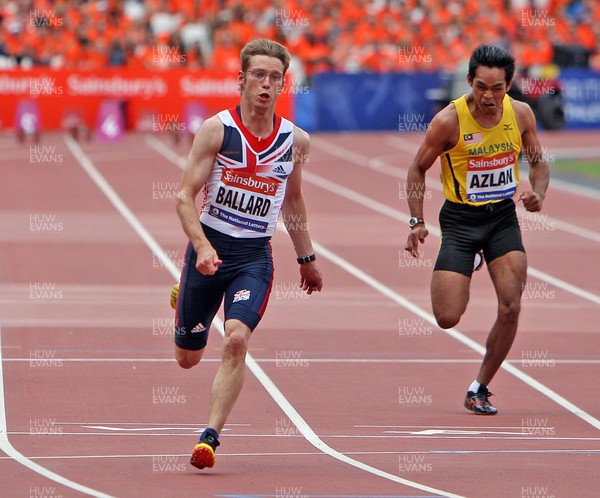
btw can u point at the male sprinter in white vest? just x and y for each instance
(478, 138)
(248, 163)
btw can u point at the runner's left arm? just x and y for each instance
(293, 213)
(539, 173)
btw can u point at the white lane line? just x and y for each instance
(195, 425)
(440, 361)
(7, 447)
(387, 435)
(396, 215)
(165, 151)
(561, 284)
(573, 188)
(120, 206)
(318, 453)
(366, 426)
(251, 363)
(413, 308)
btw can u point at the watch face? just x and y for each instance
(414, 222)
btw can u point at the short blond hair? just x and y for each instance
(264, 46)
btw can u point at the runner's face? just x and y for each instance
(265, 92)
(489, 87)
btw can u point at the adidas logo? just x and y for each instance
(280, 169)
(198, 328)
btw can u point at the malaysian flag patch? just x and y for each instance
(472, 138)
(241, 295)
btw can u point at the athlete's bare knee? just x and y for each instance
(446, 316)
(509, 312)
(187, 359)
(236, 344)
(446, 320)
(187, 363)
(235, 347)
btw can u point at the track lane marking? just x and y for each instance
(317, 453)
(442, 361)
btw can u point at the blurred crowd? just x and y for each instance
(322, 35)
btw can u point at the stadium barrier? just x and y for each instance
(373, 101)
(581, 94)
(149, 100)
(406, 102)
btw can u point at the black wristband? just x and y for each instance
(306, 259)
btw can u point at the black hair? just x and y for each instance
(492, 56)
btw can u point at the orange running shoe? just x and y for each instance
(204, 452)
(203, 456)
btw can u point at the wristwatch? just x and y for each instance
(413, 222)
(306, 259)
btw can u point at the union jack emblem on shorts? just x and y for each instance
(241, 295)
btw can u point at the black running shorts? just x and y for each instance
(493, 228)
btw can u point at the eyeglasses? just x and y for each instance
(259, 75)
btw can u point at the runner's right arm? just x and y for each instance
(441, 135)
(207, 143)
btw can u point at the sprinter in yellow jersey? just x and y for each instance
(478, 138)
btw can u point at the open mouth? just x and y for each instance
(264, 96)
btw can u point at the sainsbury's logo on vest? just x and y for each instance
(260, 185)
(498, 161)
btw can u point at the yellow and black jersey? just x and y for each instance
(483, 166)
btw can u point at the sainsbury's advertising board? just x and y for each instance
(149, 99)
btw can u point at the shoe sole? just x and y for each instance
(203, 456)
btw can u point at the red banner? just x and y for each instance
(147, 97)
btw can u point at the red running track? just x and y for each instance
(352, 392)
